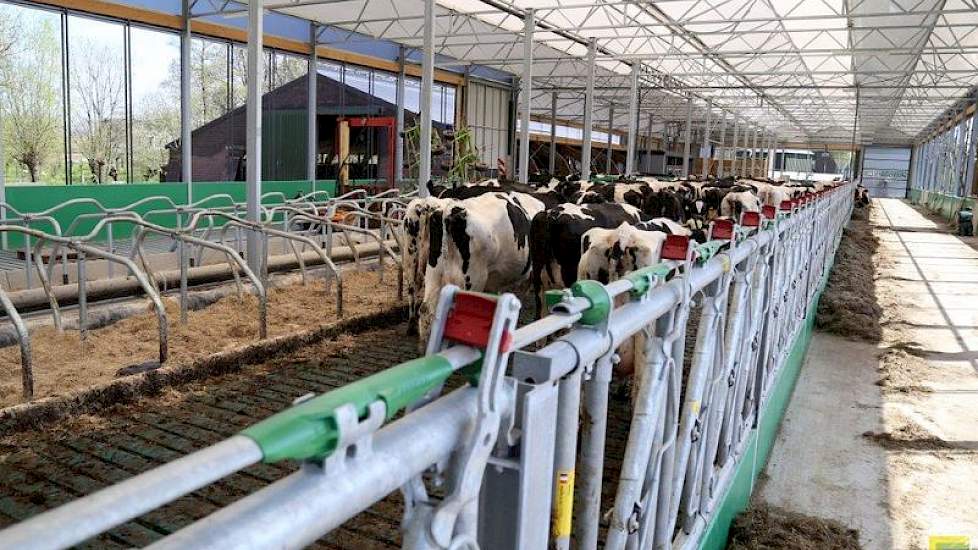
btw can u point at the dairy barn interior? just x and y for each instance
(497, 274)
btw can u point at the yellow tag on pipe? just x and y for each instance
(725, 261)
(949, 542)
(564, 504)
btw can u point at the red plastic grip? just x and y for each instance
(675, 247)
(786, 205)
(751, 219)
(470, 320)
(722, 230)
(769, 211)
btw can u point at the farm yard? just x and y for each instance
(471, 274)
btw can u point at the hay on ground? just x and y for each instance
(766, 527)
(849, 306)
(64, 363)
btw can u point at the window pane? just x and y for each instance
(215, 157)
(155, 102)
(289, 67)
(412, 95)
(438, 103)
(96, 67)
(208, 80)
(31, 92)
(450, 105)
(385, 86)
(239, 75)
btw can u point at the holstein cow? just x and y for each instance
(462, 192)
(739, 200)
(555, 241)
(479, 244)
(417, 239)
(608, 254)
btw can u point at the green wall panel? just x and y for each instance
(36, 199)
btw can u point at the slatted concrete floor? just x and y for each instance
(41, 470)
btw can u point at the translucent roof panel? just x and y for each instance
(809, 70)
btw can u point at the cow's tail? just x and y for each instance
(541, 256)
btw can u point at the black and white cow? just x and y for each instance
(862, 196)
(739, 200)
(555, 241)
(480, 244)
(608, 254)
(417, 241)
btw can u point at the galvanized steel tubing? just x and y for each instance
(686, 437)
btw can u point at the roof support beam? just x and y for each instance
(687, 134)
(632, 120)
(722, 151)
(552, 168)
(707, 150)
(186, 124)
(969, 177)
(312, 108)
(610, 141)
(733, 161)
(256, 75)
(588, 112)
(526, 90)
(427, 90)
(399, 100)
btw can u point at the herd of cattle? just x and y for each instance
(492, 236)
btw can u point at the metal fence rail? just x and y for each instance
(195, 229)
(504, 446)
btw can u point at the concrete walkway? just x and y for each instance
(884, 438)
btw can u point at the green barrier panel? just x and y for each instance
(942, 204)
(37, 198)
(761, 440)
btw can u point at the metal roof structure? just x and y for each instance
(816, 71)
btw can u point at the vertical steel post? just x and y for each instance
(593, 430)
(753, 153)
(3, 180)
(186, 137)
(552, 164)
(687, 134)
(399, 113)
(82, 295)
(632, 120)
(743, 165)
(427, 90)
(721, 144)
(649, 147)
(932, 165)
(565, 457)
(772, 153)
(781, 149)
(707, 148)
(312, 107)
(526, 89)
(592, 47)
(959, 156)
(969, 174)
(736, 135)
(609, 143)
(256, 75)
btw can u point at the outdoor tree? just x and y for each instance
(30, 90)
(98, 123)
